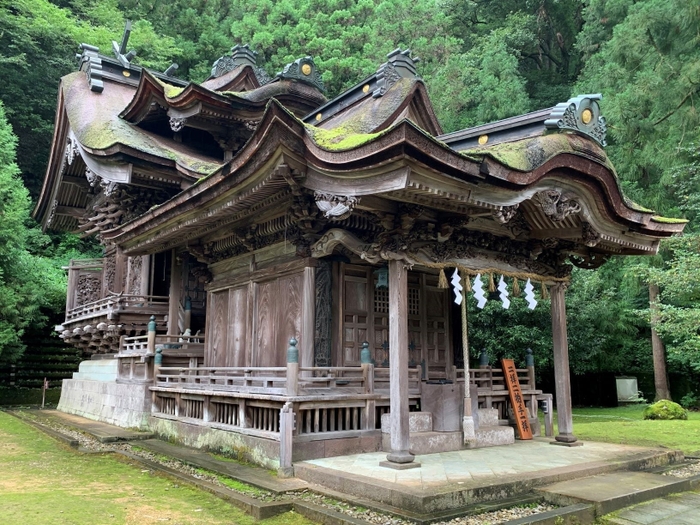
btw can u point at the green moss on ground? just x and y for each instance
(43, 482)
(665, 410)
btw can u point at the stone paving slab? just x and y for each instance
(103, 432)
(454, 479)
(251, 475)
(676, 509)
(615, 490)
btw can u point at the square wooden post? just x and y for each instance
(561, 368)
(174, 301)
(399, 457)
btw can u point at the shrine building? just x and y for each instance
(284, 275)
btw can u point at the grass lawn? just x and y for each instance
(625, 425)
(44, 483)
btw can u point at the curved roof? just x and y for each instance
(404, 164)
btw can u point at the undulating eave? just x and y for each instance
(275, 132)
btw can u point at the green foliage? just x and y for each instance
(665, 410)
(648, 69)
(690, 401)
(29, 284)
(38, 43)
(484, 83)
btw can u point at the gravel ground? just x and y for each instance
(685, 471)
(89, 444)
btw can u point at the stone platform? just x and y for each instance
(451, 480)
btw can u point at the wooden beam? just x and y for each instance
(557, 233)
(70, 211)
(77, 181)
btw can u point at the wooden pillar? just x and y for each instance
(174, 301)
(308, 318)
(561, 367)
(286, 469)
(398, 359)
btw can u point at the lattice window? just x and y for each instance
(413, 301)
(381, 301)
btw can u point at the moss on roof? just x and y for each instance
(169, 90)
(338, 139)
(668, 220)
(94, 118)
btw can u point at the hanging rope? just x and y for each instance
(516, 287)
(442, 279)
(465, 347)
(524, 276)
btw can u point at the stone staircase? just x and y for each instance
(489, 433)
(424, 440)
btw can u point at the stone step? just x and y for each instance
(615, 490)
(417, 422)
(488, 417)
(429, 442)
(492, 436)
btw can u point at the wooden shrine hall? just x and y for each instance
(280, 271)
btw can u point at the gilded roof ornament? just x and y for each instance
(580, 114)
(303, 70)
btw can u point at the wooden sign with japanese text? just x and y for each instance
(522, 416)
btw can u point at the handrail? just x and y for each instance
(118, 301)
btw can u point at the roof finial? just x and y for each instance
(241, 55)
(304, 70)
(120, 49)
(580, 114)
(399, 64)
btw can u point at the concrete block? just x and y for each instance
(429, 442)
(417, 422)
(492, 436)
(488, 417)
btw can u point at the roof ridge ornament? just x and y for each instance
(303, 70)
(580, 114)
(120, 49)
(399, 65)
(241, 55)
(91, 63)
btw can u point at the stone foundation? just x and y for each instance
(254, 449)
(123, 405)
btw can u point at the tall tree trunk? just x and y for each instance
(657, 348)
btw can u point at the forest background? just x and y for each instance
(482, 60)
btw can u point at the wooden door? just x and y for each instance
(364, 316)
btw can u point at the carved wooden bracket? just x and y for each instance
(556, 205)
(335, 207)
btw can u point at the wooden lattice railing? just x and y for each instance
(149, 304)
